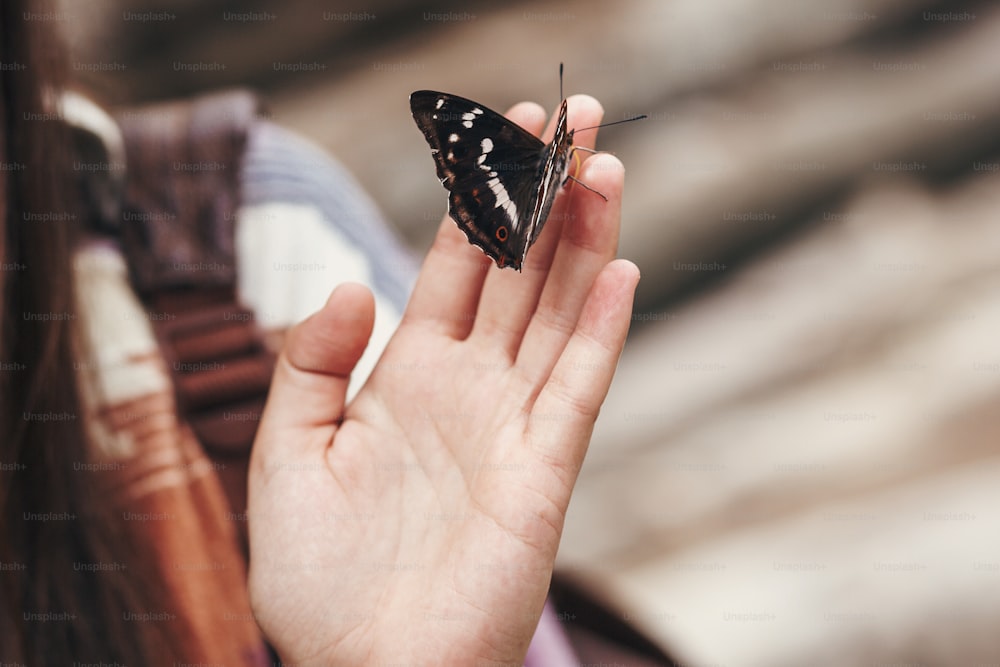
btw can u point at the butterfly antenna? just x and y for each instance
(561, 98)
(616, 122)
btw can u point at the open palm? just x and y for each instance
(419, 523)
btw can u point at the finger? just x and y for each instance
(563, 415)
(310, 380)
(451, 280)
(509, 298)
(589, 241)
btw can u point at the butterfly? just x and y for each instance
(502, 180)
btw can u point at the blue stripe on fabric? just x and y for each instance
(281, 166)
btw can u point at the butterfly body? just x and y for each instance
(501, 179)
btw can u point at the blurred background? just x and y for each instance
(799, 461)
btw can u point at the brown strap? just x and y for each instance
(182, 190)
(177, 232)
(221, 370)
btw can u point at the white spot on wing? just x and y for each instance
(452, 137)
(503, 199)
(487, 145)
(468, 116)
(477, 111)
(511, 211)
(440, 103)
(467, 123)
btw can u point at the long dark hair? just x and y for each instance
(52, 611)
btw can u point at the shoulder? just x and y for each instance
(304, 205)
(305, 226)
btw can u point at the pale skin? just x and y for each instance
(418, 524)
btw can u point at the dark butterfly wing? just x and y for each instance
(490, 166)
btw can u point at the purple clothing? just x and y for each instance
(550, 647)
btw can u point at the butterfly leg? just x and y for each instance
(571, 177)
(596, 192)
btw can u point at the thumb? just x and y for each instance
(310, 380)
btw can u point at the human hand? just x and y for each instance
(419, 523)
